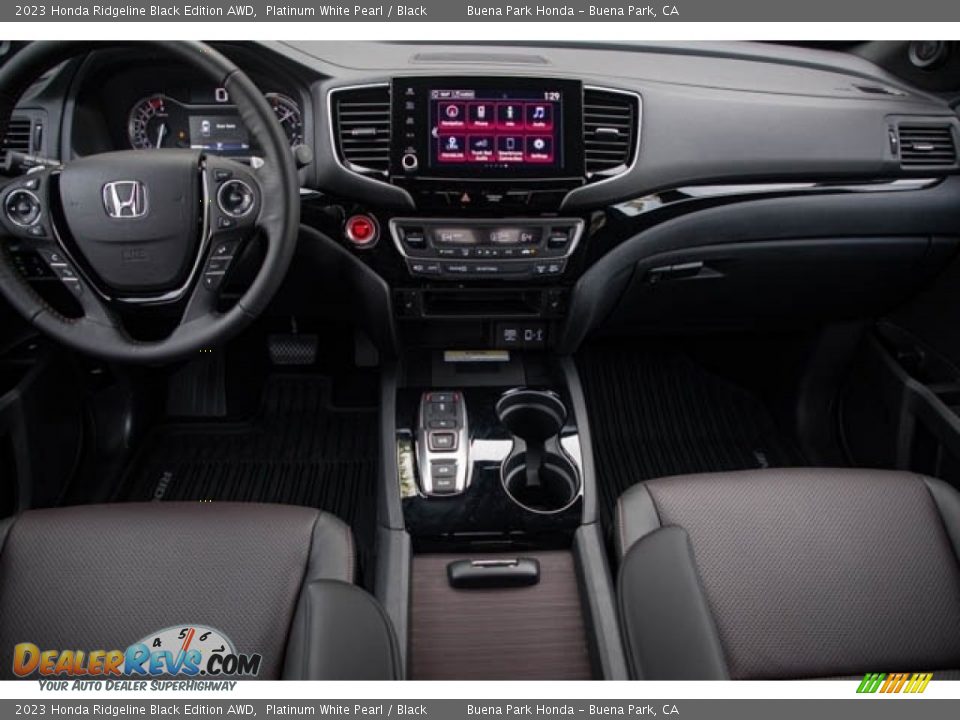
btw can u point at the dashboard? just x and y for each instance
(488, 192)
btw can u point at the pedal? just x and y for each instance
(293, 348)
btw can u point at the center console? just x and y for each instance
(497, 497)
(466, 178)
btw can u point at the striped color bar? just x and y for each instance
(871, 682)
(891, 683)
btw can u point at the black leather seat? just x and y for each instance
(274, 579)
(794, 573)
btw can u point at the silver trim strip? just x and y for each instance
(655, 201)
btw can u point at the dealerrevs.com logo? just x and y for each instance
(190, 650)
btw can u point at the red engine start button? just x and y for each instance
(361, 230)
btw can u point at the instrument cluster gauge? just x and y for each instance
(158, 121)
(289, 115)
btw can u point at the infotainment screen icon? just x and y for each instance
(495, 127)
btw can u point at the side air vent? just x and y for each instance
(361, 127)
(610, 131)
(17, 137)
(926, 146)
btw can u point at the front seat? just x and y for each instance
(273, 579)
(790, 573)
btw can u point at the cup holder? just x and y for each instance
(537, 474)
(557, 488)
(534, 415)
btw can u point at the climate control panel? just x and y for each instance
(507, 249)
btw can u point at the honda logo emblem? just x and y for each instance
(125, 199)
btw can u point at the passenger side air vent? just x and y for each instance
(610, 131)
(17, 137)
(361, 127)
(926, 146)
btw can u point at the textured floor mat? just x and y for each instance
(297, 450)
(655, 413)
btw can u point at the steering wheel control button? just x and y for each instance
(22, 207)
(63, 270)
(362, 231)
(222, 175)
(235, 198)
(224, 248)
(218, 263)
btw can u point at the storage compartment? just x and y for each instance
(536, 632)
(482, 303)
(901, 407)
(757, 283)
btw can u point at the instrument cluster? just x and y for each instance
(205, 120)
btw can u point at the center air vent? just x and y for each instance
(17, 137)
(610, 131)
(361, 127)
(927, 146)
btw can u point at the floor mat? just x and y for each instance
(296, 450)
(655, 413)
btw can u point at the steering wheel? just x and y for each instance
(149, 227)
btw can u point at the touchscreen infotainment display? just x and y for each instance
(483, 129)
(495, 128)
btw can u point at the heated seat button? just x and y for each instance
(443, 441)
